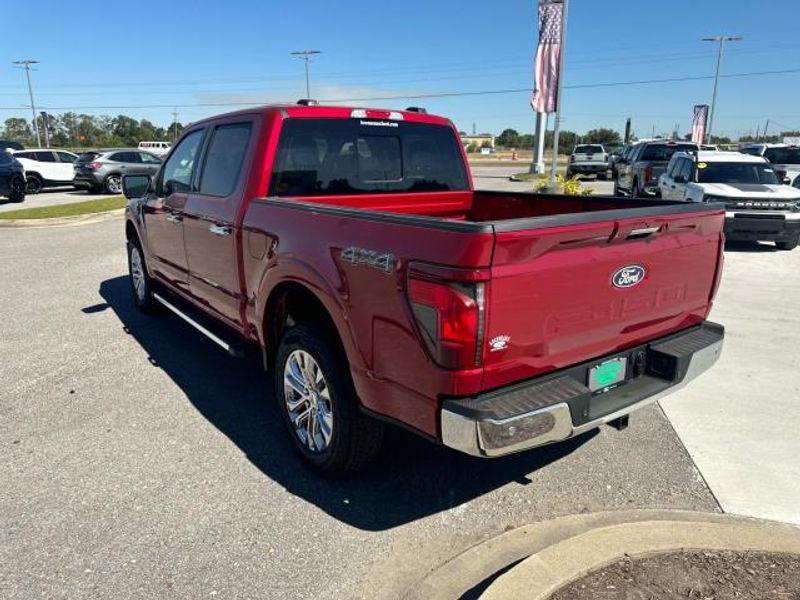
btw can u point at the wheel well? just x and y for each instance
(33, 174)
(291, 303)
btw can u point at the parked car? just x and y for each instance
(588, 159)
(46, 168)
(353, 252)
(9, 145)
(785, 158)
(638, 173)
(12, 178)
(759, 206)
(100, 170)
(157, 148)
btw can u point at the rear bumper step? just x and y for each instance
(560, 405)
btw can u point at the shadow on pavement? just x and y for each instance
(731, 246)
(413, 478)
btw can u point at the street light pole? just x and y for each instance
(305, 56)
(721, 39)
(26, 64)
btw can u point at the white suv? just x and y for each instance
(785, 159)
(758, 205)
(46, 168)
(157, 148)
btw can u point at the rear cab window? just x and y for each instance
(783, 156)
(588, 149)
(324, 157)
(663, 152)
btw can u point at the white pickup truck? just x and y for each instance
(759, 206)
(588, 159)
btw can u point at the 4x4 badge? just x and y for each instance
(628, 276)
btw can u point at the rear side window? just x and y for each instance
(783, 156)
(323, 157)
(224, 159)
(665, 151)
(44, 156)
(125, 157)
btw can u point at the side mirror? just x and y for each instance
(679, 179)
(135, 186)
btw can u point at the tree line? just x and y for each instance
(73, 130)
(510, 138)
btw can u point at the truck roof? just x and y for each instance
(336, 112)
(717, 156)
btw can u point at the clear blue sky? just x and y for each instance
(184, 52)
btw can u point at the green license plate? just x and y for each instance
(607, 374)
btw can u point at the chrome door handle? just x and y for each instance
(220, 230)
(174, 218)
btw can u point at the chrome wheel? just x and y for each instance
(137, 274)
(308, 401)
(114, 185)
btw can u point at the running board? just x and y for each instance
(232, 348)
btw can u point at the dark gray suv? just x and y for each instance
(103, 169)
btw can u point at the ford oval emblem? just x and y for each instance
(628, 276)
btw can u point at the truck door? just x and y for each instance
(163, 215)
(211, 217)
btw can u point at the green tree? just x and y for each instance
(602, 136)
(18, 130)
(509, 138)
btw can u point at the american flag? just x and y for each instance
(548, 52)
(699, 123)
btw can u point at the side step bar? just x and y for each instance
(232, 348)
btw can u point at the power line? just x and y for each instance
(425, 95)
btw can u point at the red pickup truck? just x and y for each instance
(349, 246)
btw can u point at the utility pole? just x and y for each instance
(174, 125)
(26, 64)
(721, 39)
(552, 187)
(306, 56)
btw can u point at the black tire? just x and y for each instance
(33, 184)
(354, 438)
(17, 191)
(142, 297)
(788, 244)
(113, 184)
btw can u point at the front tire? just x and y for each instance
(316, 397)
(141, 286)
(788, 244)
(113, 184)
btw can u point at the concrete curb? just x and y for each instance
(482, 561)
(543, 573)
(65, 221)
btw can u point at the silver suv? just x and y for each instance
(103, 169)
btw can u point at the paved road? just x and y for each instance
(740, 425)
(497, 178)
(142, 461)
(51, 197)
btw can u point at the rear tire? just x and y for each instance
(113, 184)
(141, 284)
(788, 244)
(33, 184)
(316, 397)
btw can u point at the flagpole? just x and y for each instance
(557, 127)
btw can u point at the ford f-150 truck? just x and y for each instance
(348, 245)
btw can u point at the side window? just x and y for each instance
(176, 175)
(672, 167)
(66, 157)
(687, 168)
(148, 159)
(224, 159)
(28, 155)
(120, 157)
(44, 156)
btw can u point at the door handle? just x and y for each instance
(220, 230)
(174, 218)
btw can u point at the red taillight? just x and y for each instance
(451, 319)
(94, 165)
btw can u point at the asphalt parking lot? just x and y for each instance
(142, 461)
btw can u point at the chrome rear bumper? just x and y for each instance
(560, 406)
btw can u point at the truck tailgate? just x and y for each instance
(553, 300)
